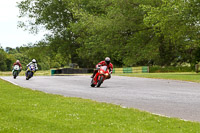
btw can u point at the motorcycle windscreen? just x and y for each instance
(32, 67)
(104, 68)
(16, 67)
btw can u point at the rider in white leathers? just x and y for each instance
(34, 63)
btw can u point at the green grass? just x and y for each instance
(187, 76)
(27, 111)
(22, 73)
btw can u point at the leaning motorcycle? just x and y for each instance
(101, 75)
(16, 70)
(30, 71)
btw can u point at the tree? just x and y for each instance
(6, 61)
(116, 29)
(150, 32)
(55, 16)
(176, 23)
(3, 65)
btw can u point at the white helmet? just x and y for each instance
(34, 61)
(107, 60)
(17, 61)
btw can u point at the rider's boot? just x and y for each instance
(94, 73)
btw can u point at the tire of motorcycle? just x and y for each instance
(92, 85)
(28, 75)
(14, 74)
(100, 81)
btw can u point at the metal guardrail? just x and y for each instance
(143, 69)
(71, 71)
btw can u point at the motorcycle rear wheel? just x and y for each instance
(100, 81)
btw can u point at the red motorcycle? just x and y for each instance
(101, 75)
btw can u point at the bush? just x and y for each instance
(156, 69)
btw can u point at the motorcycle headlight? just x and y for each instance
(101, 72)
(106, 74)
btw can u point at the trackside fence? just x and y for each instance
(142, 69)
(70, 71)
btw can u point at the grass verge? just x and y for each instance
(24, 110)
(184, 76)
(22, 73)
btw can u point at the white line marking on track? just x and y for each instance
(168, 116)
(158, 114)
(9, 81)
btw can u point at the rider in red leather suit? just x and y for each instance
(107, 63)
(19, 64)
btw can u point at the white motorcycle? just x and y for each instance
(16, 71)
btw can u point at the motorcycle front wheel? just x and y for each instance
(92, 83)
(14, 74)
(28, 75)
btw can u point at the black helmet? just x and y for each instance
(107, 60)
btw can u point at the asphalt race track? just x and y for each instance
(165, 97)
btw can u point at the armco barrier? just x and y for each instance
(143, 69)
(70, 71)
(127, 70)
(137, 69)
(118, 70)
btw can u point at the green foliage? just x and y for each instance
(176, 24)
(155, 69)
(139, 32)
(6, 61)
(108, 34)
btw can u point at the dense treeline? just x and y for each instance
(131, 32)
(5, 60)
(24, 54)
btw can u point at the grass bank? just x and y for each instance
(22, 73)
(184, 76)
(27, 111)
